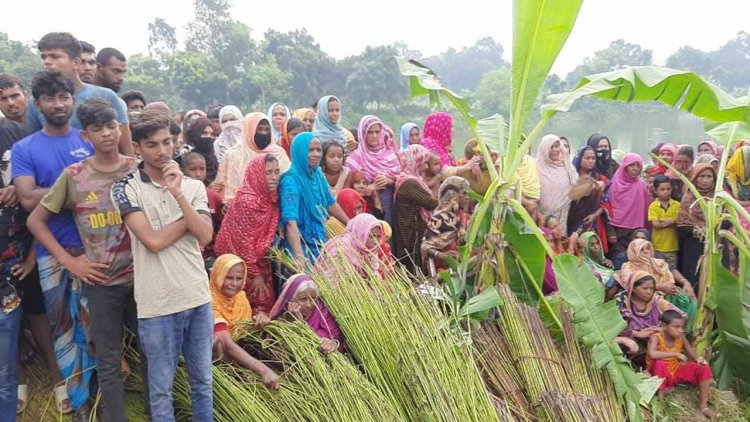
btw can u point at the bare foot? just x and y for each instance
(710, 413)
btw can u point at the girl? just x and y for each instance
(338, 176)
(327, 126)
(629, 200)
(359, 184)
(556, 176)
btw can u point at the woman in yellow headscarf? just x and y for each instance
(738, 175)
(230, 307)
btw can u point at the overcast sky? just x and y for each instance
(345, 28)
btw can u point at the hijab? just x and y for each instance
(383, 159)
(595, 262)
(555, 176)
(351, 246)
(528, 175)
(629, 196)
(276, 133)
(250, 147)
(326, 131)
(300, 113)
(312, 182)
(413, 159)
(444, 227)
(320, 320)
(650, 316)
(604, 163)
(691, 213)
(406, 134)
(188, 115)
(437, 136)
(712, 145)
(228, 310)
(638, 261)
(738, 169)
(348, 199)
(231, 131)
(204, 147)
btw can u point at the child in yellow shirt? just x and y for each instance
(662, 214)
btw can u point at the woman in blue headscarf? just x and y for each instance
(327, 126)
(279, 113)
(306, 201)
(409, 135)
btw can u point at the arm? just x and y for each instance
(126, 141)
(199, 225)
(29, 194)
(655, 354)
(154, 240)
(336, 211)
(239, 355)
(690, 352)
(294, 239)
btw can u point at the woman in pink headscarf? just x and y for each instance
(628, 203)
(358, 246)
(708, 147)
(438, 137)
(556, 176)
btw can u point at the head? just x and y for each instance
(134, 100)
(708, 159)
(673, 324)
(367, 230)
(54, 97)
(439, 128)
(707, 147)
(257, 130)
(201, 136)
(294, 127)
(595, 246)
(87, 70)
(632, 166)
(704, 177)
(228, 276)
(553, 225)
(100, 125)
(667, 152)
(272, 172)
(642, 233)
(228, 116)
(662, 187)
(174, 132)
(601, 145)
(634, 170)
(555, 152)
(565, 145)
(61, 51)
(644, 286)
(212, 113)
(452, 194)
(12, 98)
(309, 119)
(151, 139)
(306, 296)
(414, 160)
(194, 166)
(111, 68)
(334, 110)
(234, 281)
(683, 162)
(372, 137)
(586, 159)
(262, 136)
(414, 136)
(359, 183)
(351, 202)
(433, 165)
(333, 157)
(279, 114)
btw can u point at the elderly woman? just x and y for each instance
(358, 246)
(557, 176)
(593, 256)
(447, 227)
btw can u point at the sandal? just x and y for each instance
(23, 398)
(62, 400)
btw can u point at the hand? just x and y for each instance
(589, 219)
(258, 286)
(670, 289)
(218, 187)
(628, 343)
(270, 379)
(599, 186)
(261, 320)
(300, 263)
(688, 288)
(612, 239)
(23, 269)
(173, 176)
(293, 308)
(328, 345)
(351, 145)
(369, 190)
(702, 361)
(8, 196)
(218, 349)
(682, 357)
(89, 272)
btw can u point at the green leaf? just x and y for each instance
(491, 131)
(526, 247)
(479, 305)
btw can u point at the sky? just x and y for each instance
(343, 29)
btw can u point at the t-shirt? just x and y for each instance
(173, 279)
(35, 119)
(86, 191)
(44, 157)
(664, 240)
(15, 239)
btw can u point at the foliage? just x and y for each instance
(618, 55)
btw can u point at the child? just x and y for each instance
(194, 166)
(662, 213)
(337, 175)
(374, 206)
(670, 356)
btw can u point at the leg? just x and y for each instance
(36, 315)
(660, 369)
(10, 325)
(197, 350)
(161, 338)
(131, 322)
(699, 376)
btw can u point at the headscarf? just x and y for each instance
(326, 131)
(595, 262)
(556, 178)
(706, 159)
(444, 228)
(312, 182)
(437, 136)
(412, 160)
(738, 169)
(250, 125)
(660, 168)
(629, 196)
(528, 175)
(691, 213)
(300, 113)
(604, 163)
(649, 317)
(348, 199)
(638, 261)
(187, 117)
(204, 147)
(286, 140)
(158, 107)
(231, 131)
(351, 246)
(406, 134)
(276, 133)
(373, 162)
(320, 320)
(228, 310)
(712, 145)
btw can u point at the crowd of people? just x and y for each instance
(116, 212)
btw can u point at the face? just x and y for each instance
(309, 120)
(112, 75)
(554, 227)
(358, 208)
(306, 300)
(228, 118)
(683, 163)
(633, 170)
(196, 169)
(433, 165)
(588, 160)
(263, 128)
(705, 179)
(193, 118)
(57, 59)
(648, 251)
(603, 144)
(372, 138)
(596, 248)
(216, 124)
(273, 174)
(359, 186)
(675, 328)
(87, 70)
(233, 282)
(666, 156)
(56, 108)
(334, 112)
(463, 200)
(373, 240)
(314, 153)
(555, 152)
(645, 290)
(664, 191)
(13, 103)
(334, 159)
(208, 132)
(566, 145)
(414, 136)
(278, 116)
(294, 132)
(705, 149)
(104, 137)
(156, 150)
(135, 106)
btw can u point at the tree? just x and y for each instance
(162, 38)
(374, 79)
(618, 55)
(464, 70)
(18, 59)
(731, 61)
(205, 32)
(269, 79)
(689, 58)
(493, 94)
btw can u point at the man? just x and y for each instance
(87, 71)
(169, 221)
(36, 162)
(134, 100)
(107, 266)
(12, 98)
(61, 51)
(111, 68)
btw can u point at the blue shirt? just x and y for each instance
(35, 119)
(44, 158)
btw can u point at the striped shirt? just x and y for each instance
(173, 279)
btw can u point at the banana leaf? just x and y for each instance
(526, 250)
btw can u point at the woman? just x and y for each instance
(527, 177)
(201, 137)
(556, 177)
(666, 152)
(447, 226)
(358, 247)
(257, 140)
(249, 228)
(708, 147)
(307, 116)
(190, 118)
(351, 202)
(587, 213)
(412, 196)
(306, 202)
(593, 257)
(683, 163)
(279, 113)
(289, 130)
(230, 307)
(409, 135)
(605, 165)
(230, 118)
(691, 222)
(438, 136)
(327, 126)
(378, 160)
(738, 175)
(641, 307)
(628, 203)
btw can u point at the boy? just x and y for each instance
(194, 166)
(168, 219)
(107, 267)
(668, 353)
(662, 213)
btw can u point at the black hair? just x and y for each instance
(294, 123)
(131, 95)
(9, 81)
(355, 134)
(270, 159)
(95, 112)
(106, 54)
(212, 112)
(87, 48)
(659, 179)
(644, 279)
(146, 124)
(50, 82)
(190, 157)
(670, 315)
(64, 41)
(332, 144)
(174, 128)
(687, 151)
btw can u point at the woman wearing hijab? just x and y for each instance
(708, 147)
(738, 175)
(587, 212)
(409, 135)
(306, 202)
(230, 307)
(307, 116)
(438, 128)
(605, 165)
(593, 256)
(691, 222)
(249, 228)
(411, 199)
(683, 163)
(556, 176)
(327, 126)
(279, 113)
(447, 226)
(201, 137)
(358, 247)
(628, 203)
(289, 130)
(230, 118)
(641, 307)
(377, 159)
(351, 202)
(257, 140)
(666, 152)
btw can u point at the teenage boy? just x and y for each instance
(107, 266)
(169, 221)
(36, 162)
